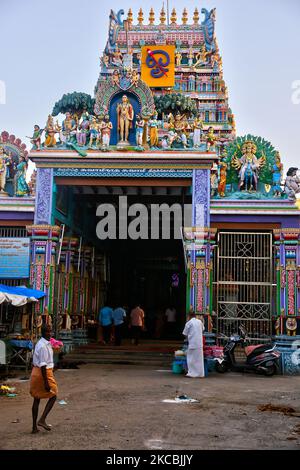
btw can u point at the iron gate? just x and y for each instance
(244, 283)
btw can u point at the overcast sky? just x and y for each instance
(49, 48)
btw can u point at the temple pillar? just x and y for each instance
(44, 240)
(287, 252)
(44, 196)
(199, 245)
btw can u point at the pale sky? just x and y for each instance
(52, 48)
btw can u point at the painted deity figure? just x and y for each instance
(277, 175)
(214, 181)
(22, 188)
(106, 127)
(3, 169)
(171, 128)
(210, 139)
(248, 166)
(135, 76)
(99, 131)
(93, 130)
(140, 124)
(198, 126)
(178, 57)
(125, 117)
(191, 57)
(117, 58)
(115, 78)
(35, 140)
(179, 128)
(69, 127)
(222, 177)
(153, 130)
(201, 56)
(83, 129)
(50, 130)
(292, 183)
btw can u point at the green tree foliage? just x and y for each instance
(263, 148)
(75, 103)
(174, 102)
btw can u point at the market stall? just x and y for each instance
(18, 323)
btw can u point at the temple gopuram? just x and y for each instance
(158, 133)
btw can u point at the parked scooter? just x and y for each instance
(262, 358)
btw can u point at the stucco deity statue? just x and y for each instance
(115, 78)
(277, 175)
(292, 183)
(3, 169)
(125, 117)
(140, 124)
(178, 58)
(22, 188)
(214, 181)
(198, 126)
(117, 58)
(248, 166)
(210, 139)
(223, 177)
(83, 129)
(35, 140)
(69, 127)
(106, 127)
(201, 57)
(93, 130)
(153, 130)
(135, 76)
(50, 130)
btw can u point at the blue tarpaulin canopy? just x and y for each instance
(19, 296)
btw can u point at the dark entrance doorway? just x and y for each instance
(151, 273)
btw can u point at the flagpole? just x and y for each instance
(168, 21)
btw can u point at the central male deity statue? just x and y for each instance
(125, 117)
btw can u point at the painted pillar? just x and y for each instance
(287, 248)
(199, 244)
(44, 196)
(44, 240)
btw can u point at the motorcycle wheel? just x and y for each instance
(221, 368)
(271, 370)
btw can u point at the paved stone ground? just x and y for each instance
(121, 407)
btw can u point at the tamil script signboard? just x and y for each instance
(14, 258)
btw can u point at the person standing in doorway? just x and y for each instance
(194, 331)
(137, 323)
(105, 320)
(42, 382)
(170, 314)
(119, 315)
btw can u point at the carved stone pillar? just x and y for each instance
(44, 196)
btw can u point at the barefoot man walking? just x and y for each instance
(42, 382)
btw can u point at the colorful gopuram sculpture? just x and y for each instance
(199, 94)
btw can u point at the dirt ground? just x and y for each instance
(121, 407)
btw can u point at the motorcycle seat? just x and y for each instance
(252, 351)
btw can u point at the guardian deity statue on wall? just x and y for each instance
(248, 166)
(50, 130)
(223, 175)
(210, 139)
(125, 117)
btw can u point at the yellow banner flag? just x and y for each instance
(158, 66)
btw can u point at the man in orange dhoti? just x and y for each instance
(42, 382)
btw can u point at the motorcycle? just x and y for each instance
(261, 358)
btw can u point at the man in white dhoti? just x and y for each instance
(194, 331)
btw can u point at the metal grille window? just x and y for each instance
(244, 283)
(8, 232)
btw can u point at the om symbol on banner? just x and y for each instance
(158, 65)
